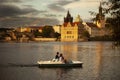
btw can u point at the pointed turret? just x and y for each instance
(68, 14)
(100, 9)
(68, 18)
(78, 19)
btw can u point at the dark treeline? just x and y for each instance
(114, 20)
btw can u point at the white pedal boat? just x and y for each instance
(50, 64)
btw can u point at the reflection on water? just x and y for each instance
(98, 61)
(60, 72)
(68, 50)
(101, 61)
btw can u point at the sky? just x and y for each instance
(17, 13)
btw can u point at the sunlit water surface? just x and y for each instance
(101, 61)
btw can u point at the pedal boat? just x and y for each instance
(58, 64)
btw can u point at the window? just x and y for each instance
(69, 32)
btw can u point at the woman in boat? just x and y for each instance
(62, 59)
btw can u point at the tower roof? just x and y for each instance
(68, 18)
(78, 19)
(68, 14)
(100, 8)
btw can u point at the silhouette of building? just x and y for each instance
(68, 18)
(100, 18)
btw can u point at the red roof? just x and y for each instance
(73, 24)
(92, 25)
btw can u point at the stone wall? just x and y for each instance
(44, 39)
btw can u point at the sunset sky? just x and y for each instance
(15, 13)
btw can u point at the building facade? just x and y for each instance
(95, 30)
(69, 30)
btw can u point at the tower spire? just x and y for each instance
(68, 14)
(68, 18)
(100, 8)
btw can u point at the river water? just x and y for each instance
(101, 61)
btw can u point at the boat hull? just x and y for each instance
(46, 64)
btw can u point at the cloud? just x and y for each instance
(7, 1)
(13, 11)
(58, 5)
(82, 4)
(15, 1)
(15, 15)
(8, 9)
(50, 15)
(25, 21)
(56, 8)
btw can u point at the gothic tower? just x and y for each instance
(100, 9)
(68, 18)
(100, 18)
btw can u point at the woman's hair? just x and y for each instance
(61, 54)
(57, 52)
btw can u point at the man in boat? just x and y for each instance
(56, 57)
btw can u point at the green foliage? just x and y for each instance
(48, 31)
(57, 35)
(86, 34)
(114, 10)
(6, 29)
(37, 33)
(93, 14)
(101, 38)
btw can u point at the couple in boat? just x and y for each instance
(59, 57)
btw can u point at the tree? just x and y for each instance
(114, 10)
(86, 34)
(48, 31)
(37, 33)
(92, 13)
(57, 35)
